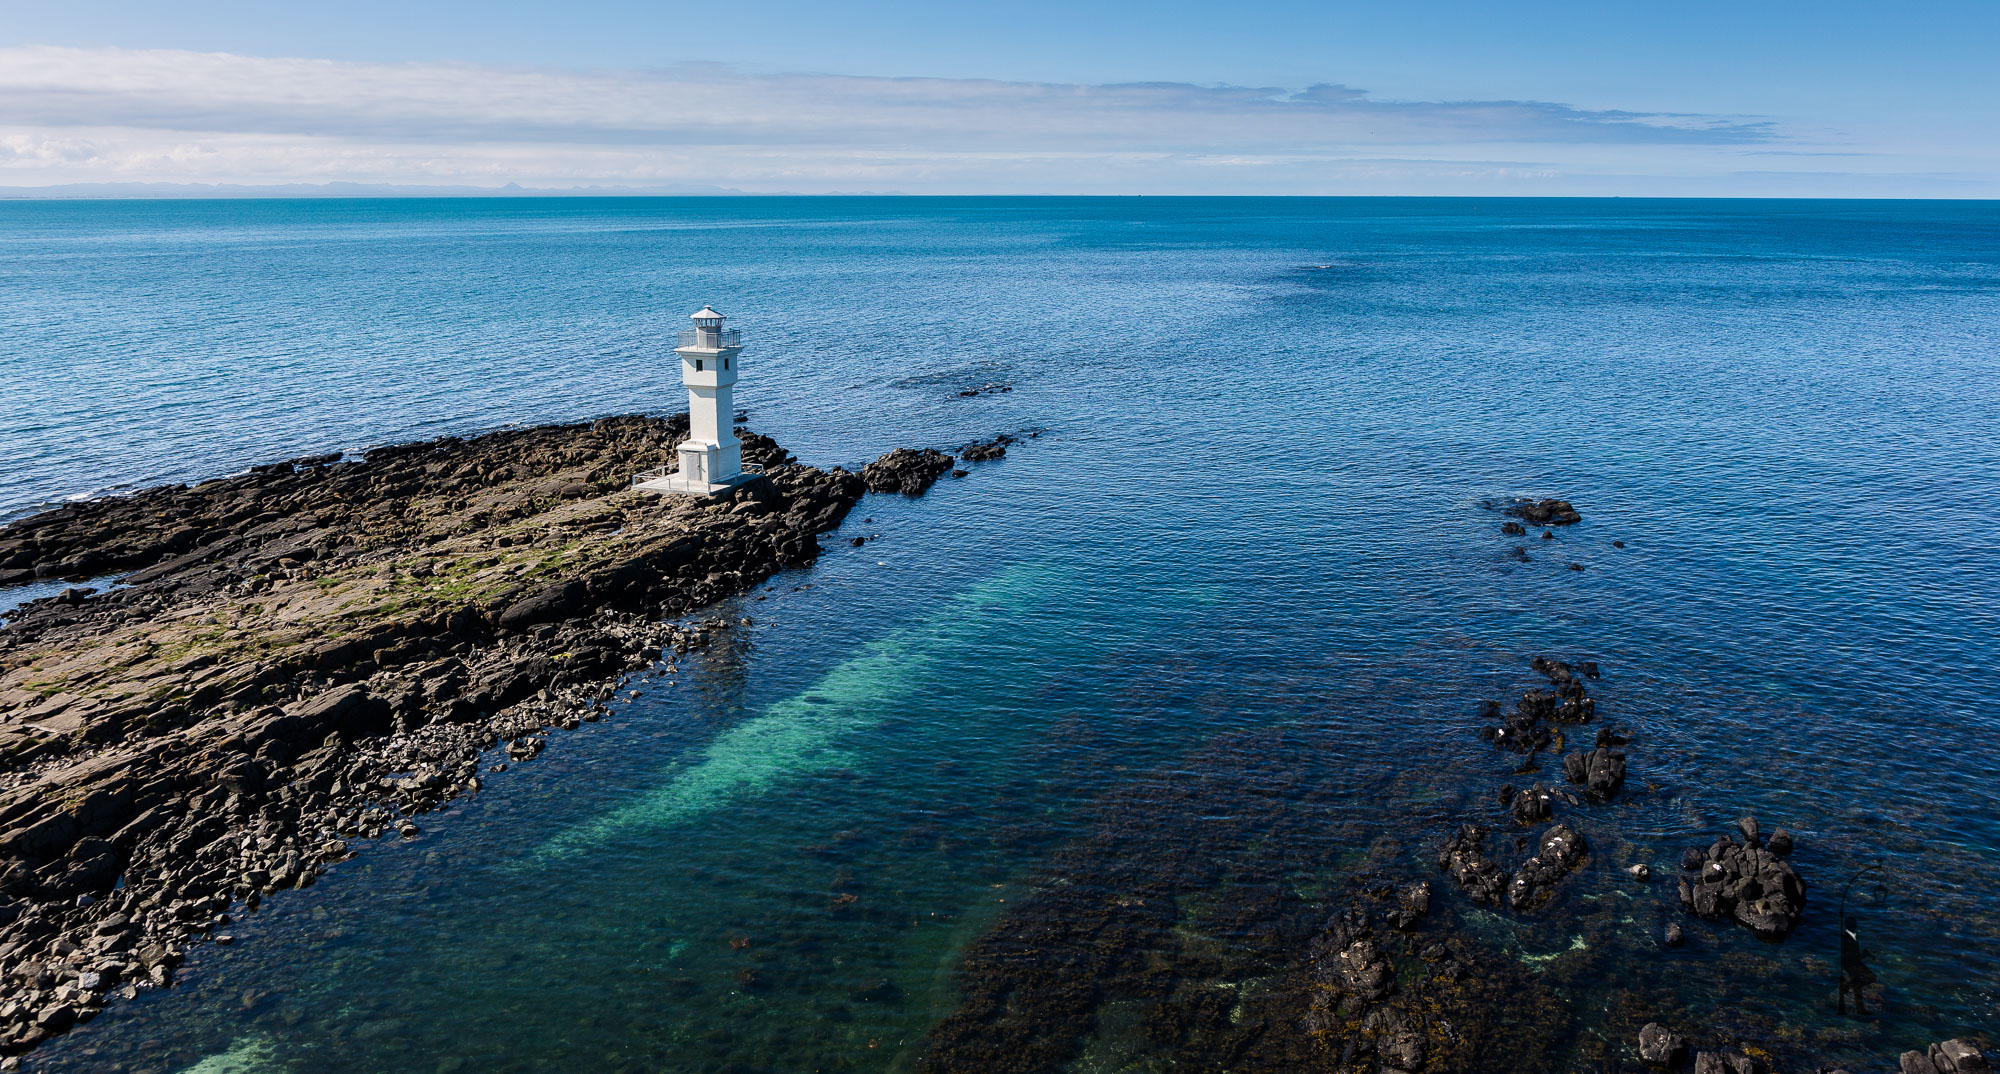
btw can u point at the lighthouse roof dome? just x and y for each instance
(705, 313)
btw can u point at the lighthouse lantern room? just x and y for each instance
(711, 459)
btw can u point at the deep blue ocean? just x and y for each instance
(1257, 518)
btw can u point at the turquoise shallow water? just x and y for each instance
(1256, 512)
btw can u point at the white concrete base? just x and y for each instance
(674, 485)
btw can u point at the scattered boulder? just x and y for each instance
(56, 1018)
(1533, 805)
(1744, 881)
(991, 449)
(1958, 1057)
(1601, 772)
(1464, 857)
(547, 604)
(1561, 850)
(1951, 1057)
(1659, 1046)
(906, 470)
(1545, 512)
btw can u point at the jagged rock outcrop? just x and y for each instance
(1600, 772)
(1545, 512)
(1747, 881)
(991, 449)
(1660, 1046)
(906, 470)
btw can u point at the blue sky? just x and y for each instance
(1868, 99)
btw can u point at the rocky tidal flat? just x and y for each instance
(323, 650)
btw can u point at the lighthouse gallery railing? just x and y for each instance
(711, 338)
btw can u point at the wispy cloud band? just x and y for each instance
(714, 104)
(109, 115)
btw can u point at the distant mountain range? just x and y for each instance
(386, 190)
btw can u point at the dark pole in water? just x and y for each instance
(1854, 973)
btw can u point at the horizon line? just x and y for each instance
(511, 191)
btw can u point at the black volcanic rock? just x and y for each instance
(1746, 882)
(991, 449)
(906, 470)
(1600, 771)
(1659, 1046)
(1560, 851)
(1545, 512)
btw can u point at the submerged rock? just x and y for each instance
(1363, 971)
(1397, 1039)
(1724, 1063)
(1415, 902)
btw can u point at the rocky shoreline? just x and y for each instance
(323, 650)
(1251, 938)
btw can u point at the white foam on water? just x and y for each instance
(798, 734)
(247, 1055)
(1576, 943)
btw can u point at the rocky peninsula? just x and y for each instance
(321, 650)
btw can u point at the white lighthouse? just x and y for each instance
(711, 459)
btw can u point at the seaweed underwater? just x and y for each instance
(1250, 906)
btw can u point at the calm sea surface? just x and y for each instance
(1253, 534)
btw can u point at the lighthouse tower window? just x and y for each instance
(697, 365)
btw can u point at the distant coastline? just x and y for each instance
(73, 191)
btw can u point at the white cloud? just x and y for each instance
(108, 115)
